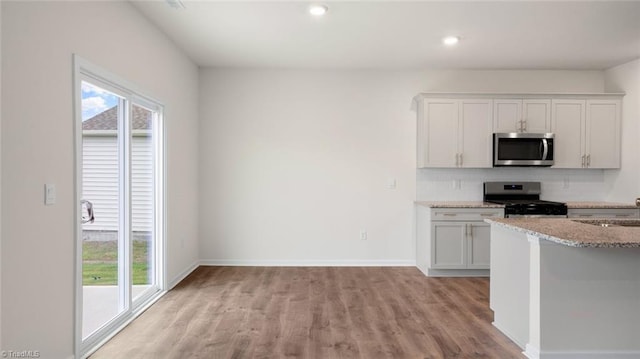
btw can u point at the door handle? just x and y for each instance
(588, 160)
(545, 149)
(583, 160)
(88, 206)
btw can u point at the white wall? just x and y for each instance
(625, 183)
(38, 40)
(1, 346)
(294, 163)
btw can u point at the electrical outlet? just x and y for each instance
(391, 183)
(363, 234)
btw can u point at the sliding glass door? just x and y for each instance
(119, 166)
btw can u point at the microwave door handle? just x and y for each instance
(545, 149)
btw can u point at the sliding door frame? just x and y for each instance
(85, 71)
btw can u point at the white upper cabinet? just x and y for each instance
(454, 133)
(587, 133)
(438, 133)
(515, 115)
(456, 130)
(568, 127)
(475, 144)
(603, 134)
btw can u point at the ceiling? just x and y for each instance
(403, 35)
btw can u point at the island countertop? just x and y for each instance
(575, 233)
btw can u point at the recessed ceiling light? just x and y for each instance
(450, 40)
(318, 10)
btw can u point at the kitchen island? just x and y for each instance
(563, 288)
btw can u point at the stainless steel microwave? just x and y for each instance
(523, 149)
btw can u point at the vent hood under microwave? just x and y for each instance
(523, 149)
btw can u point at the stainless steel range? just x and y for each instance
(522, 199)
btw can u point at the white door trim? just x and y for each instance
(84, 70)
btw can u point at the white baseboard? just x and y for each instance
(308, 263)
(531, 352)
(457, 272)
(182, 275)
(534, 353)
(500, 327)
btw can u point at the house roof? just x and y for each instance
(108, 120)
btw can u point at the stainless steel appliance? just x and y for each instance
(523, 149)
(522, 199)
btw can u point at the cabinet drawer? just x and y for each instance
(457, 214)
(603, 213)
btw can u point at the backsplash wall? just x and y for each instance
(557, 184)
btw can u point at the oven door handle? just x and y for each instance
(545, 149)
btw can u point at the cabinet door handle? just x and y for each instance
(588, 160)
(470, 231)
(583, 161)
(487, 214)
(461, 159)
(449, 214)
(524, 125)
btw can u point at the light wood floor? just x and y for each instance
(316, 312)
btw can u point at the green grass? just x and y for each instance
(100, 266)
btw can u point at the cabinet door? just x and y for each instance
(603, 134)
(536, 115)
(438, 133)
(479, 238)
(448, 245)
(507, 115)
(475, 135)
(567, 123)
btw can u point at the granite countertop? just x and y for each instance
(458, 204)
(597, 205)
(578, 233)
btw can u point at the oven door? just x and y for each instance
(523, 149)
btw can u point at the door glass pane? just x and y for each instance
(102, 238)
(142, 199)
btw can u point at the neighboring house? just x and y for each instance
(100, 170)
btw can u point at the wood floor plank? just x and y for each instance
(316, 312)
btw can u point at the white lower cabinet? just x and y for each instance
(460, 245)
(454, 241)
(448, 245)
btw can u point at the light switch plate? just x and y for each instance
(49, 194)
